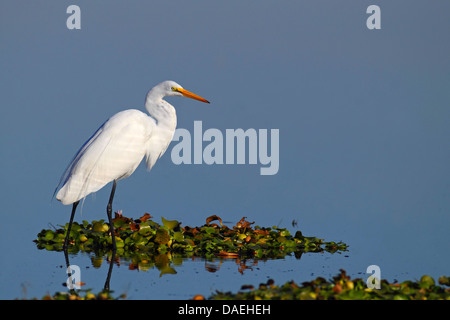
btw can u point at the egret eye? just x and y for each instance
(174, 89)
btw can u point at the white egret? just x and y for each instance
(115, 150)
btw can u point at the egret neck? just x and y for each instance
(160, 110)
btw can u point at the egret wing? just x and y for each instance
(157, 145)
(112, 153)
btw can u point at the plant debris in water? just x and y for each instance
(341, 287)
(145, 236)
(82, 295)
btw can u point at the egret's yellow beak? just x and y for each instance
(189, 94)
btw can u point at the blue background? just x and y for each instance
(363, 116)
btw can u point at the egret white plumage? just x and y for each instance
(116, 149)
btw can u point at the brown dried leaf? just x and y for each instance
(119, 217)
(228, 254)
(133, 266)
(189, 230)
(261, 232)
(337, 288)
(145, 217)
(134, 226)
(244, 224)
(212, 218)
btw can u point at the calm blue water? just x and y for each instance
(30, 272)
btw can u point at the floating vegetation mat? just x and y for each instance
(341, 287)
(146, 237)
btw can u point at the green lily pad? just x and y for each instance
(162, 236)
(170, 224)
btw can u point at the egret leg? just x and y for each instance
(69, 273)
(66, 241)
(108, 277)
(109, 213)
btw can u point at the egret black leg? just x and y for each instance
(108, 277)
(109, 213)
(69, 272)
(66, 241)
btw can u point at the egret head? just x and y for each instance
(171, 88)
